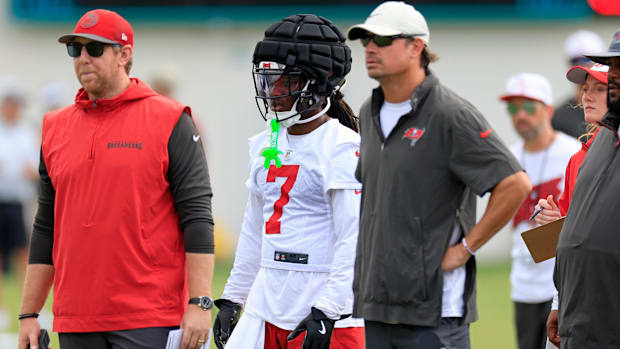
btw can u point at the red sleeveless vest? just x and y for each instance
(118, 250)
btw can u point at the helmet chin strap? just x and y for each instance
(285, 118)
(289, 121)
(290, 117)
(317, 115)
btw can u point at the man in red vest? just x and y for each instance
(124, 229)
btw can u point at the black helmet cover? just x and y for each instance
(310, 43)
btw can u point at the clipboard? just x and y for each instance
(543, 240)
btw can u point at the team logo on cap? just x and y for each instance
(413, 134)
(89, 20)
(601, 67)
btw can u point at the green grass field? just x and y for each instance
(493, 330)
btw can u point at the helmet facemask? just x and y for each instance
(282, 93)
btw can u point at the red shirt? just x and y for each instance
(118, 250)
(572, 170)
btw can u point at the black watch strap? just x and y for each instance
(203, 302)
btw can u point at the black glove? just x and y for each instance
(318, 329)
(225, 321)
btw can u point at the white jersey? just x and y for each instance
(298, 241)
(18, 152)
(533, 282)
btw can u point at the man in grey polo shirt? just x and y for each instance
(424, 153)
(588, 253)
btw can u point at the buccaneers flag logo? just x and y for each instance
(414, 135)
(540, 191)
(89, 20)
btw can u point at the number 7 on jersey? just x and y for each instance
(290, 173)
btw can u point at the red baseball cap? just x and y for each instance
(103, 26)
(579, 74)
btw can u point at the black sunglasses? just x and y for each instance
(94, 48)
(383, 41)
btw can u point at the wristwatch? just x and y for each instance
(204, 302)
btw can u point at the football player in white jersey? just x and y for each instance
(293, 269)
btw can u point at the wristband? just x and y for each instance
(467, 247)
(27, 316)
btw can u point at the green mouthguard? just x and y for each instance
(272, 152)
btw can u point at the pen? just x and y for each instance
(536, 213)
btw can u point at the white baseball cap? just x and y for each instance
(55, 94)
(10, 87)
(392, 18)
(582, 42)
(528, 85)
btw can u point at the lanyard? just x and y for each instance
(541, 172)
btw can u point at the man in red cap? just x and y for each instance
(124, 229)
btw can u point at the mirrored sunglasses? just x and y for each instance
(528, 106)
(94, 48)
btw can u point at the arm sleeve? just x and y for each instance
(337, 297)
(42, 241)
(248, 254)
(555, 303)
(478, 156)
(190, 185)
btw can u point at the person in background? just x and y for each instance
(568, 117)
(165, 80)
(54, 95)
(18, 176)
(543, 153)
(593, 81)
(587, 258)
